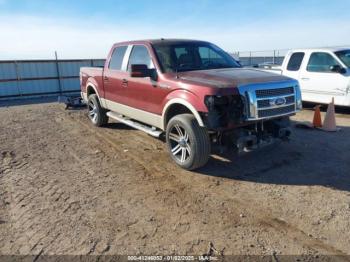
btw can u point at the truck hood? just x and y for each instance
(230, 77)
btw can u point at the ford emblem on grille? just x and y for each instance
(277, 101)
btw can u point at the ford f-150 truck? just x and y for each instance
(194, 93)
(323, 73)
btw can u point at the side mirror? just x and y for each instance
(143, 71)
(338, 69)
(139, 71)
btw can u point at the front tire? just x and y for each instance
(188, 143)
(96, 113)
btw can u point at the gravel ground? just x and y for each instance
(67, 187)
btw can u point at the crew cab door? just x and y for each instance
(143, 92)
(115, 75)
(319, 83)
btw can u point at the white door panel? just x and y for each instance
(319, 84)
(324, 83)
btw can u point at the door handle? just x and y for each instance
(305, 78)
(106, 78)
(124, 82)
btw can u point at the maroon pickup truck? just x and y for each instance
(194, 93)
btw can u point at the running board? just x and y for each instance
(127, 121)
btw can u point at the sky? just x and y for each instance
(35, 29)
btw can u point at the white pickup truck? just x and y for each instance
(322, 73)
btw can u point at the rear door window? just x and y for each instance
(295, 61)
(321, 62)
(117, 58)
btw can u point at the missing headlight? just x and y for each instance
(223, 110)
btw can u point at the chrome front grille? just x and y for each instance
(274, 92)
(276, 111)
(263, 103)
(290, 99)
(270, 99)
(266, 102)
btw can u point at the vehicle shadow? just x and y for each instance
(312, 157)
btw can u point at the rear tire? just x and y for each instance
(96, 113)
(188, 143)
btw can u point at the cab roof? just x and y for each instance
(320, 49)
(160, 41)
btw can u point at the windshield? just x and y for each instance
(189, 56)
(344, 56)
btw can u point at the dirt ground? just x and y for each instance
(67, 187)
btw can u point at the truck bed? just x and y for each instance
(91, 72)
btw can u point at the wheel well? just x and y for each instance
(90, 90)
(175, 109)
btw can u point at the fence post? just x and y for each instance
(274, 56)
(18, 77)
(250, 58)
(58, 74)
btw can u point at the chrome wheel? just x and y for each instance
(96, 113)
(92, 111)
(180, 143)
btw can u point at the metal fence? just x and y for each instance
(27, 78)
(32, 78)
(254, 58)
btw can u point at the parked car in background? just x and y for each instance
(322, 73)
(194, 93)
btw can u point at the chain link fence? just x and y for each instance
(258, 58)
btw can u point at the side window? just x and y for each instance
(321, 62)
(117, 58)
(140, 55)
(295, 61)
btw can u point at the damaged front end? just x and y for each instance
(257, 116)
(224, 111)
(248, 138)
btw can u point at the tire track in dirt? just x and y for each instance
(296, 233)
(114, 190)
(260, 215)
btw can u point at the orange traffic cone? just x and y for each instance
(329, 120)
(317, 122)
